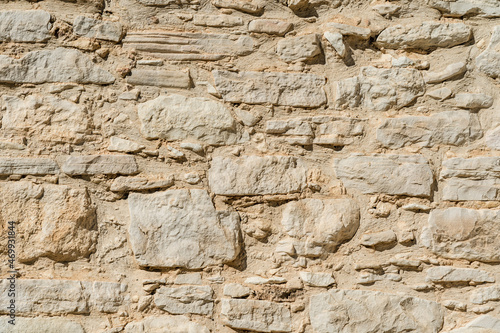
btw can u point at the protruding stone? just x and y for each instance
(364, 311)
(450, 71)
(159, 78)
(258, 316)
(452, 275)
(124, 146)
(486, 294)
(379, 239)
(92, 28)
(256, 175)
(100, 165)
(392, 174)
(473, 101)
(25, 26)
(293, 89)
(337, 42)
(460, 8)
(350, 30)
(236, 290)
(122, 184)
(488, 62)
(300, 48)
(440, 93)
(58, 65)
(181, 228)
(186, 299)
(165, 324)
(247, 6)
(426, 35)
(270, 26)
(177, 117)
(317, 279)
(218, 21)
(461, 233)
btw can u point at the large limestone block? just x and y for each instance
(320, 224)
(452, 275)
(29, 26)
(460, 233)
(459, 8)
(51, 118)
(445, 128)
(40, 325)
(185, 299)
(100, 165)
(363, 311)
(176, 117)
(28, 166)
(54, 221)
(258, 316)
(256, 175)
(181, 228)
(300, 48)
(489, 61)
(380, 89)
(392, 174)
(58, 65)
(293, 89)
(426, 35)
(476, 178)
(92, 28)
(165, 324)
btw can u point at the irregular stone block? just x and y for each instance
(28, 166)
(255, 7)
(426, 35)
(452, 275)
(258, 316)
(270, 26)
(317, 279)
(159, 78)
(364, 311)
(300, 48)
(350, 30)
(107, 297)
(236, 290)
(379, 239)
(124, 146)
(100, 165)
(482, 324)
(189, 46)
(165, 324)
(169, 3)
(485, 295)
(293, 89)
(320, 225)
(176, 117)
(391, 174)
(256, 175)
(450, 71)
(380, 89)
(91, 28)
(473, 101)
(461, 233)
(122, 184)
(40, 325)
(474, 178)
(460, 8)
(337, 42)
(217, 21)
(186, 299)
(444, 128)
(63, 121)
(492, 138)
(58, 65)
(488, 62)
(53, 221)
(25, 26)
(181, 228)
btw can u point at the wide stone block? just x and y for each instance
(461, 233)
(159, 78)
(460, 8)
(185, 299)
(92, 28)
(100, 164)
(28, 166)
(165, 324)
(256, 175)
(181, 228)
(391, 174)
(300, 48)
(452, 275)
(28, 26)
(293, 89)
(364, 311)
(40, 325)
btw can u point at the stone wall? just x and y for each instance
(242, 165)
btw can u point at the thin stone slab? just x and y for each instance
(277, 88)
(28, 166)
(481, 324)
(460, 8)
(256, 175)
(25, 26)
(270, 26)
(58, 65)
(40, 325)
(452, 275)
(122, 184)
(391, 174)
(159, 78)
(365, 311)
(100, 165)
(181, 228)
(461, 233)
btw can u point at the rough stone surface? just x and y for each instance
(40, 325)
(459, 8)
(317, 279)
(168, 79)
(391, 174)
(300, 48)
(100, 164)
(181, 228)
(186, 299)
(165, 324)
(177, 117)
(452, 275)
(91, 28)
(28, 166)
(269, 26)
(489, 61)
(364, 311)
(258, 316)
(30, 26)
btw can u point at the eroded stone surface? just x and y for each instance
(181, 228)
(452, 275)
(459, 8)
(100, 164)
(165, 324)
(300, 48)
(92, 28)
(488, 62)
(29, 26)
(40, 324)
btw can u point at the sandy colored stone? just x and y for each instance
(121, 184)
(92, 28)
(160, 78)
(317, 279)
(28, 26)
(452, 275)
(270, 26)
(185, 299)
(165, 324)
(28, 166)
(100, 164)
(300, 48)
(124, 146)
(459, 8)
(40, 325)
(217, 20)
(485, 294)
(246, 6)
(488, 61)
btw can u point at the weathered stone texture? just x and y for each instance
(300, 48)
(30, 26)
(40, 325)
(459, 8)
(489, 61)
(105, 30)
(100, 164)
(181, 228)
(165, 324)
(186, 299)
(452, 275)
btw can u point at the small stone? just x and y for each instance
(91, 28)
(483, 309)
(317, 279)
(164, 324)
(440, 93)
(473, 101)
(351, 30)
(455, 305)
(189, 278)
(160, 78)
(488, 62)
(301, 48)
(186, 299)
(256, 280)
(379, 239)
(124, 146)
(144, 302)
(387, 9)
(247, 118)
(270, 26)
(337, 42)
(450, 275)
(122, 184)
(449, 72)
(236, 290)
(132, 95)
(247, 6)
(192, 178)
(486, 294)
(100, 164)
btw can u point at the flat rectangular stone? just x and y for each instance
(253, 315)
(476, 178)
(453, 275)
(217, 20)
(29, 26)
(277, 88)
(159, 78)
(270, 26)
(100, 164)
(256, 175)
(99, 29)
(173, 300)
(391, 174)
(106, 297)
(28, 166)
(40, 325)
(121, 184)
